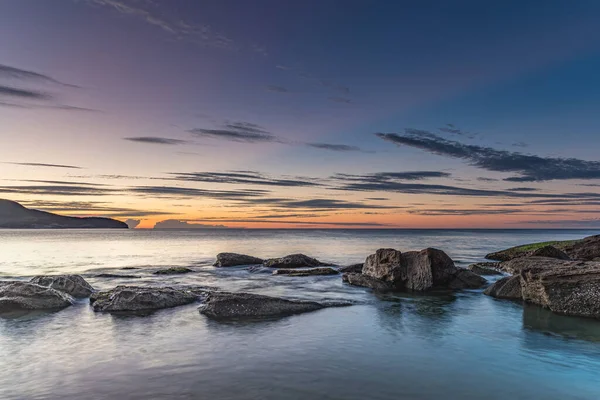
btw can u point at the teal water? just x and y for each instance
(461, 345)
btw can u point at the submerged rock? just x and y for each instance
(306, 272)
(235, 259)
(506, 288)
(293, 261)
(117, 276)
(138, 298)
(173, 271)
(484, 268)
(17, 295)
(415, 270)
(223, 305)
(354, 268)
(74, 285)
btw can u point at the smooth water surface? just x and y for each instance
(461, 345)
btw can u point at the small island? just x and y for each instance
(14, 216)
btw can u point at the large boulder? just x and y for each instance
(415, 270)
(74, 285)
(138, 298)
(235, 259)
(484, 268)
(293, 261)
(18, 295)
(550, 252)
(571, 289)
(587, 249)
(224, 305)
(508, 287)
(354, 268)
(306, 272)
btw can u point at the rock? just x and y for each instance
(234, 259)
(416, 271)
(484, 268)
(516, 265)
(550, 252)
(17, 295)
(173, 271)
(572, 289)
(378, 285)
(293, 261)
(129, 268)
(354, 268)
(74, 285)
(117, 276)
(138, 298)
(587, 249)
(307, 272)
(223, 305)
(508, 287)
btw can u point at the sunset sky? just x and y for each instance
(328, 114)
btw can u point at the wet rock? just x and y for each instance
(173, 271)
(223, 305)
(516, 265)
(138, 298)
(356, 279)
(293, 261)
(73, 285)
(306, 272)
(506, 288)
(117, 276)
(354, 268)
(415, 271)
(484, 268)
(550, 252)
(17, 295)
(235, 259)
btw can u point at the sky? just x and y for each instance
(312, 114)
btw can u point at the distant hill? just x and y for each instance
(15, 216)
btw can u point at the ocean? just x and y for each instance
(460, 345)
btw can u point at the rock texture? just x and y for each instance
(235, 259)
(137, 298)
(173, 271)
(485, 268)
(354, 268)
(357, 279)
(506, 288)
(15, 216)
(306, 272)
(565, 287)
(122, 276)
(414, 271)
(74, 285)
(17, 295)
(223, 305)
(587, 249)
(550, 252)
(293, 261)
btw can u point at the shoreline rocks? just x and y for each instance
(354, 268)
(73, 285)
(293, 261)
(139, 298)
(226, 305)
(484, 268)
(307, 272)
(19, 295)
(390, 269)
(564, 287)
(235, 259)
(587, 249)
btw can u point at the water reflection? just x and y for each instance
(542, 320)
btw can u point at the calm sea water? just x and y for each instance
(462, 345)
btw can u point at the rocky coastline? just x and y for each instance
(564, 279)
